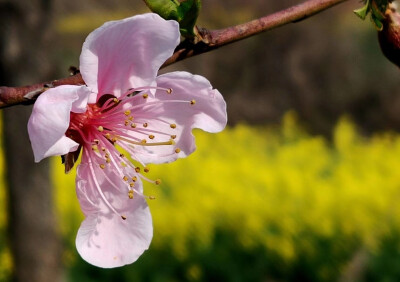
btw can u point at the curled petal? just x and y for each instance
(50, 119)
(198, 106)
(127, 53)
(104, 238)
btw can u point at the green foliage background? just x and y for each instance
(277, 203)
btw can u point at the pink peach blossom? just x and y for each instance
(124, 108)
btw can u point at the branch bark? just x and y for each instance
(211, 40)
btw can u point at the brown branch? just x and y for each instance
(210, 40)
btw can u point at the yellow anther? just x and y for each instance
(113, 140)
(146, 169)
(145, 124)
(121, 155)
(143, 141)
(193, 102)
(134, 178)
(123, 217)
(102, 166)
(169, 91)
(177, 150)
(130, 194)
(108, 135)
(137, 169)
(133, 125)
(126, 122)
(145, 96)
(103, 149)
(151, 136)
(173, 136)
(95, 148)
(127, 112)
(157, 182)
(108, 161)
(96, 141)
(115, 100)
(107, 155)
(125, 178)
(130, 118)
(172, 125)
(132, 184)
(100, 128)
(152, 197)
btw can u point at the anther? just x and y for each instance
(123, 217)
(193, 102)
(127, 112)
(96, 141)
(121, 155)
(157, 182)
(130, 118)
(172, 125)
(130, 194)
(100, 128)
(134, 178)
(169, 91)
(151, 136)
(152, 197)
(125, 178)
(173, 136)
(103, 149)
(177, 150)
(102, 166)
(137, 169)
(146, 169)
(145, 124)
(145, 96)
(133, 125)
(132, 184)
(143, 141)
(95, 148)
(115, 100)
(108, 161)
(126, 122)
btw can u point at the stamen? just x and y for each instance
(133, 125)
(169, 91)
(193, 102)
(137, 169)
(169, 142)
(100, 128)
(145, 96)
(123, 217)
(102, 166)
(146, 169)
(173, 136)
(177, 150)
(151, 136)
(145, 124)
(172, 125)
(130, 194)
(127, 112)
(157, 182)
(125, 178)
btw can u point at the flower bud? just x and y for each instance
(389, 37)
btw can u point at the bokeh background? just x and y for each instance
(303, 185)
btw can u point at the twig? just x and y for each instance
(211, 40)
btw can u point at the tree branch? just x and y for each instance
(211, 40)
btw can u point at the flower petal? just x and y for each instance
(207, 113)
(104, 238)
(50, 119)
(127, 53)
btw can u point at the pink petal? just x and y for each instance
(127, 53)
(50, 119)
(104, 238)
(208, 113)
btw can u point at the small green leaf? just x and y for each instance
(185, 13)
(377, 23)
(189, 10)
(167, 9)
(363, 12)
